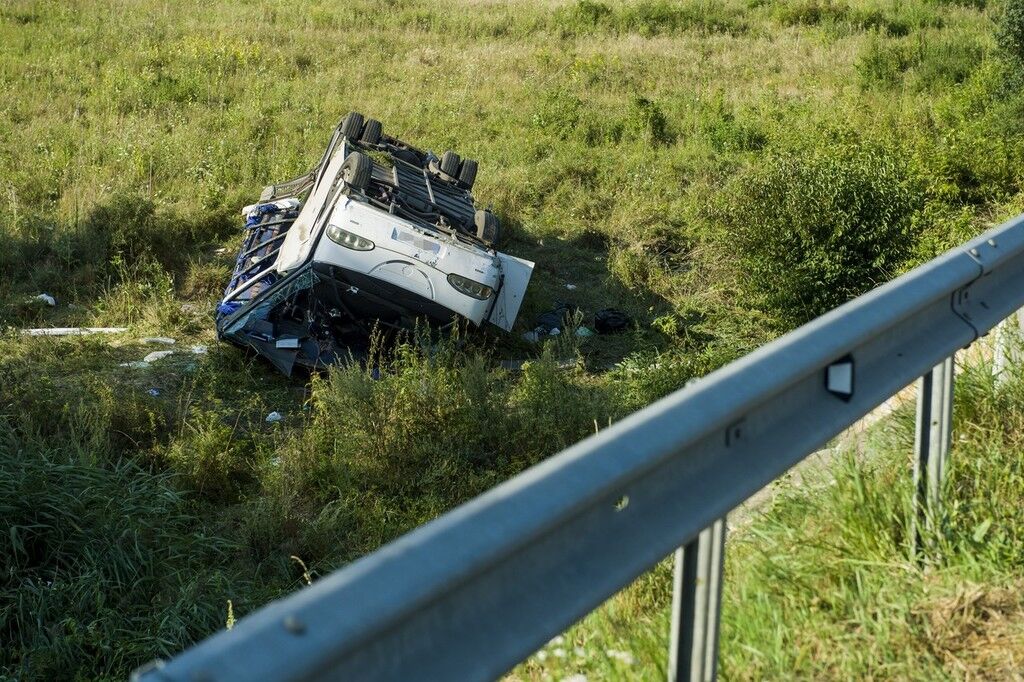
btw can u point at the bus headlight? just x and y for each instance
(469, 287)
(348, 239)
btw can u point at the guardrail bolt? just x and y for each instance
(992, 243)
(294, 625)
(975, 252)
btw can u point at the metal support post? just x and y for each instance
(696, 607)
(1007, 351)
(931, 445)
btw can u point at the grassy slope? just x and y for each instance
(616, 142)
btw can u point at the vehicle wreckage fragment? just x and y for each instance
(378, 233)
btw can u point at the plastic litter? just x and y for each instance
(274, 417)
(570, 287)
(153, 392)
(162, 340)
(555, 332)
(584, 331)
(72, 331)
(136, 364)
(47, 299)
(199, 350)
(555, 318)
(610, 321)
(157, 355)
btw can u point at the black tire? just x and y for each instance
(450, 164)
(356, 170)
(372, 132)
(488, 229)
(467, 173)
(352, 125)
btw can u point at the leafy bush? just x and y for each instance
(650, 17)
(934, 61)
(646, 119)
(1011, 30)
(815, 229)
(809, 12)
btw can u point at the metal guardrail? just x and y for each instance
(472, 593)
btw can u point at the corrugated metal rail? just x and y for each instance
(472, 593)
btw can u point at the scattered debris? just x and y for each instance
(157, 355)
(220, 251)
(554, 318)
(162, 340)
(72, 331)
(623, 656)
(517, 365)
(199, 349)
(274, 417)
(153, 392)
(570, 287)
(584, 331)
(47, 299)
(610, 321)
(137, 364)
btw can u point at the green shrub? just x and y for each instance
(809, 12)
(1011, 30)
(649, 17)
(934, 61)
(816, 228)
(647, 121)
(882, 63)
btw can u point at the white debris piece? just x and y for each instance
(47, 299)
(290, 342)
(274, 417)
(578, 677)
(72, 331)
(157, 355)
(199, 349)
(623, 656)
(570, 287)
(162, 340)
(137, 364)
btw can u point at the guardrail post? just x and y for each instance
(696, 607)
(931, 445)
(1007, 351)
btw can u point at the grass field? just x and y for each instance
(722, 170)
